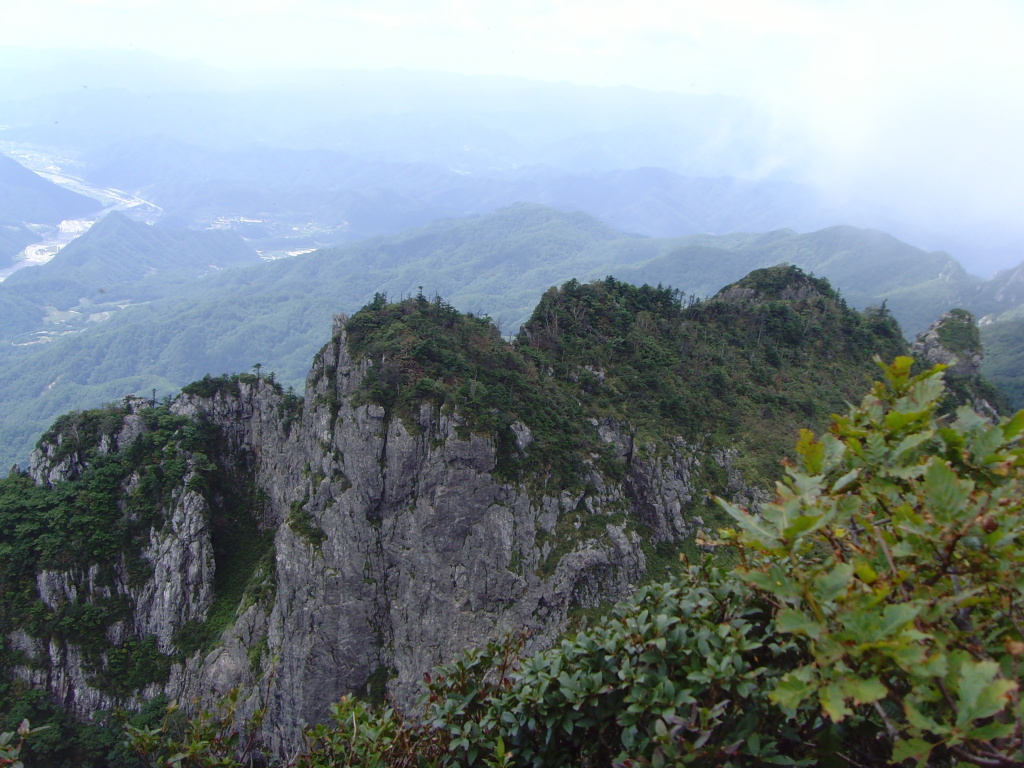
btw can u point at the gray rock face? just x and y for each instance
(394, 547)
(181, 587)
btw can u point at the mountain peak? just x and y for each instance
(779, 283)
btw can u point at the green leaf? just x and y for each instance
(927, 390)
(911, 749)
(895, 617)
(865, 572)
(898, 372)
(897, 420)
(793, 689)
(864, 691)
(945, 495)
(831, 583)
(754, 744)
(797, 623)
(811, 451)
(910, 658)
(834, 702)
(752, 524)
(1014, 427)
(980, 693)
(921, 722)
(775, 580)
(910, 442)
(802, 524)
(989, 731)
(844, 481)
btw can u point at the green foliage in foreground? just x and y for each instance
(10, 750)
(876, 618)
(893, 556)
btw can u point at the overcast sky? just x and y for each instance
(898, 97)
(752, 47)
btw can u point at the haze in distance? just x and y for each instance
(904, 117)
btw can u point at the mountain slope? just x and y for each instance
(869, 267)
(1004, 358)
(27, 197)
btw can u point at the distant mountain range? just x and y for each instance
(400, 181)
(177, 318)
(334, 157)
(289, 199)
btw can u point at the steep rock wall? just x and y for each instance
(394, 546)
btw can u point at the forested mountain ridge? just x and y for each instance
(436, 484)
(496, 265)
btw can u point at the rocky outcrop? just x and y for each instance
(394, 545)
(953, 341)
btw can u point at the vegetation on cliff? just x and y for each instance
(90, 531)
(774, 352)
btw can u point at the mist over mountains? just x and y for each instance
(347, 154)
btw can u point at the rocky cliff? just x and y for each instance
(302, 549)
(394, 547)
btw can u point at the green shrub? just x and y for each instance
(893, 556)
